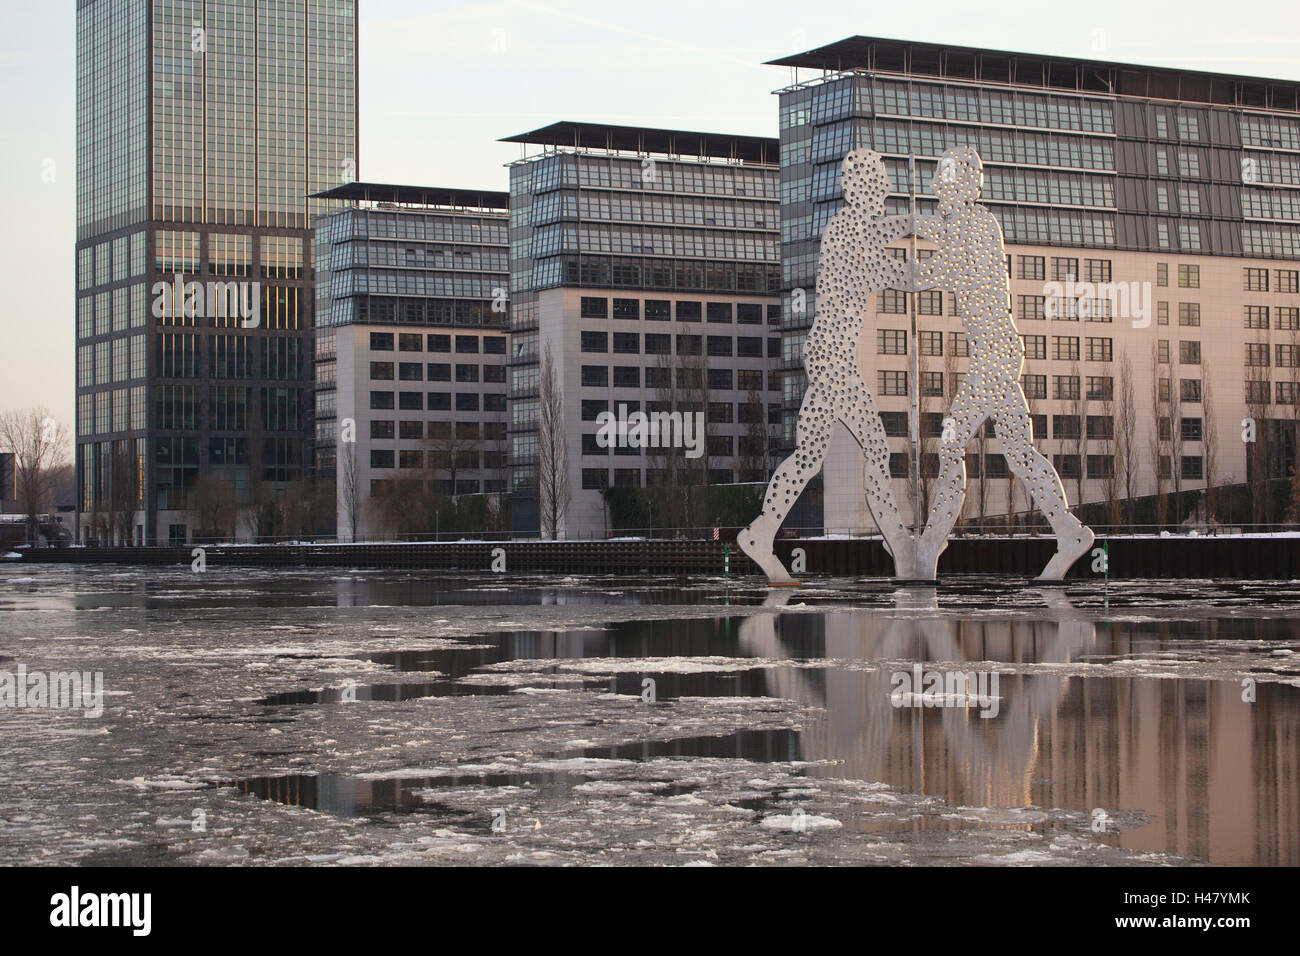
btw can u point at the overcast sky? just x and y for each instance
(441, 81)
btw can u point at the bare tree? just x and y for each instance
(216, 504)
(1259, 453)
(1126, 458)
(1110, 477)
(1159, 439)
(123, 491)
(1078, 440)
(1210, 446)
(351, 493)
(553, 493)
(752, 460)
(40, 448)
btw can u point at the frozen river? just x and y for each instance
(295, 717)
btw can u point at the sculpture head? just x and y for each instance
(865, 181)
(959, 177)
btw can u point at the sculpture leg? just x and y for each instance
(965, 416)
(1015, 433)
(813, 435)
(863, 421)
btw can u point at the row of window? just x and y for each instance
(597, 479)
(439, 401)
(661, 310)
(437, 342)
(437, 372)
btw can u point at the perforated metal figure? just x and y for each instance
(971, 262)
(854, 265)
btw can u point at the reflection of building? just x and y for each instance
(1219, 777)
(1175, 185)
(411, 305)
(201, 130)
(648, 260)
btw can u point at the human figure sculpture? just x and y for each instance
(970, 261)
(854, 264)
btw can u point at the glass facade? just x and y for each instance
(203, 128)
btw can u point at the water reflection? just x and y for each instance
(1217, 775)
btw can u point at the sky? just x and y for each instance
(441, 82)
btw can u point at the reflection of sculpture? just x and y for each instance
(854, 264)
(970, 261)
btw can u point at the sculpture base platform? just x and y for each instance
(785, 584)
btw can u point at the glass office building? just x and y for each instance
(1151, 226)
(202, 128)
(647, 259)
(411, 319)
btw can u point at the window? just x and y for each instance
(658, 310)
(1189, 200)
(1287, 393)
(1035, 346)
(688, 312)
(381, 371)
(719, 379)
(1162, 273)
(658, 343)
(413, 431)
(1192, 466)
(1038, 425)
(932, 384)
(1189, 313)
(466, 374)
(494, 373)
(592, 307)
(627, 376)
(439, 401)
(1101, 388)
(1258, 392)
(1288, 318)
(494, 345)
(1101, 466)
(1064, 269)
(1286, 280)
(658, 377)
(720, 345)
(627, 308)
(891, 342)
(1257, 354)
(1256, 316)
(1162, 313)
(381, 399)
(381, 458)
(1031, 267)
(438, 371)
(1100, 427)
(749, 380)
(595, 479)
(438, 343)
(410, 459)
(1189, 353)
(1035, 386)
(1065, 387)
(595, 375)
(1189, 389)
(1286, 356)
(749, 313)
(929, 303)
(467, 401)
(627, 343)
(1162, 351)
(719, 312)
(893, 383)
(381, 341)
(930, 343)
(1067, 466)
(595, 342)
(1189, 277)
(593, 407)
(381, 429)
(1256, 280)
(1065, 348)
(410, 372)
(1097, 270)
(689, 344)
(720, 412)
(467, 344)
(892, 302)
(1191, 429)
(958, 344)
(895, 424)
(1099, 349)
(410, 401)
(1030, 307)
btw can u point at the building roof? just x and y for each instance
(418, 195)
(640, 139)
(1053, 72)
